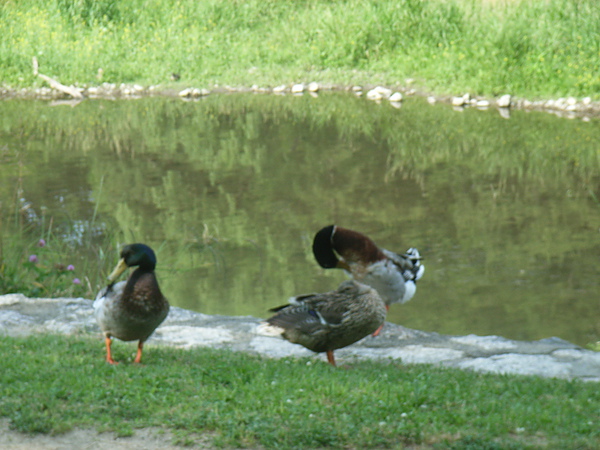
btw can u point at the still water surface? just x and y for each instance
(230, 190)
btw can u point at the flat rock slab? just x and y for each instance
(552, 357)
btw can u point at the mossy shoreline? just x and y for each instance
(569, 107)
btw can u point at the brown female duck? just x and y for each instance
(131, 310)
(328, 321)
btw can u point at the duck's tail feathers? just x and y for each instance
(266, 329)
(279, 308)
(418, 269)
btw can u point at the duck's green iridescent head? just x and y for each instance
(134, 255)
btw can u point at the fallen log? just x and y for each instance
(70, 90)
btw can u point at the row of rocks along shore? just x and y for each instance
(569, 107)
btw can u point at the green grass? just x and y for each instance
(50, 384)
(528, 48)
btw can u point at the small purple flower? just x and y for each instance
(41, 243)
(33, 258)
(71, 267)
(76, 281)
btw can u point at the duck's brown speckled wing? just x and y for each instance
(323, 322)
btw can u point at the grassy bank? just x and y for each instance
(247, 401)
(524, 47)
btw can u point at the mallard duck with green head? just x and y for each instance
(328, 321)
(131, 310)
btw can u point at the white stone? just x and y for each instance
(61, 327)
(11, 299)
(183, 336)
(483, 104)
(297, 89)
(571, 101)
(458, 101)
(586, 101)
(186, 92)
(568, 354)
(561, 103)
(374, 95)
(504, 101)
(9, 318)
(313, 87)
(196, 92)
(487, 343)
(396, 97)
(431, 99)
(410, 354)
(357, 89)
(279, 89)
(383, 91)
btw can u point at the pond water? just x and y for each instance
(230, 190)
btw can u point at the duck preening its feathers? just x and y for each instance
(392, 275)
(328, 321)
(131, 310)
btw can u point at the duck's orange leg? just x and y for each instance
(330, 358)
(109, 358)
(138, 356)
(378, 330)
